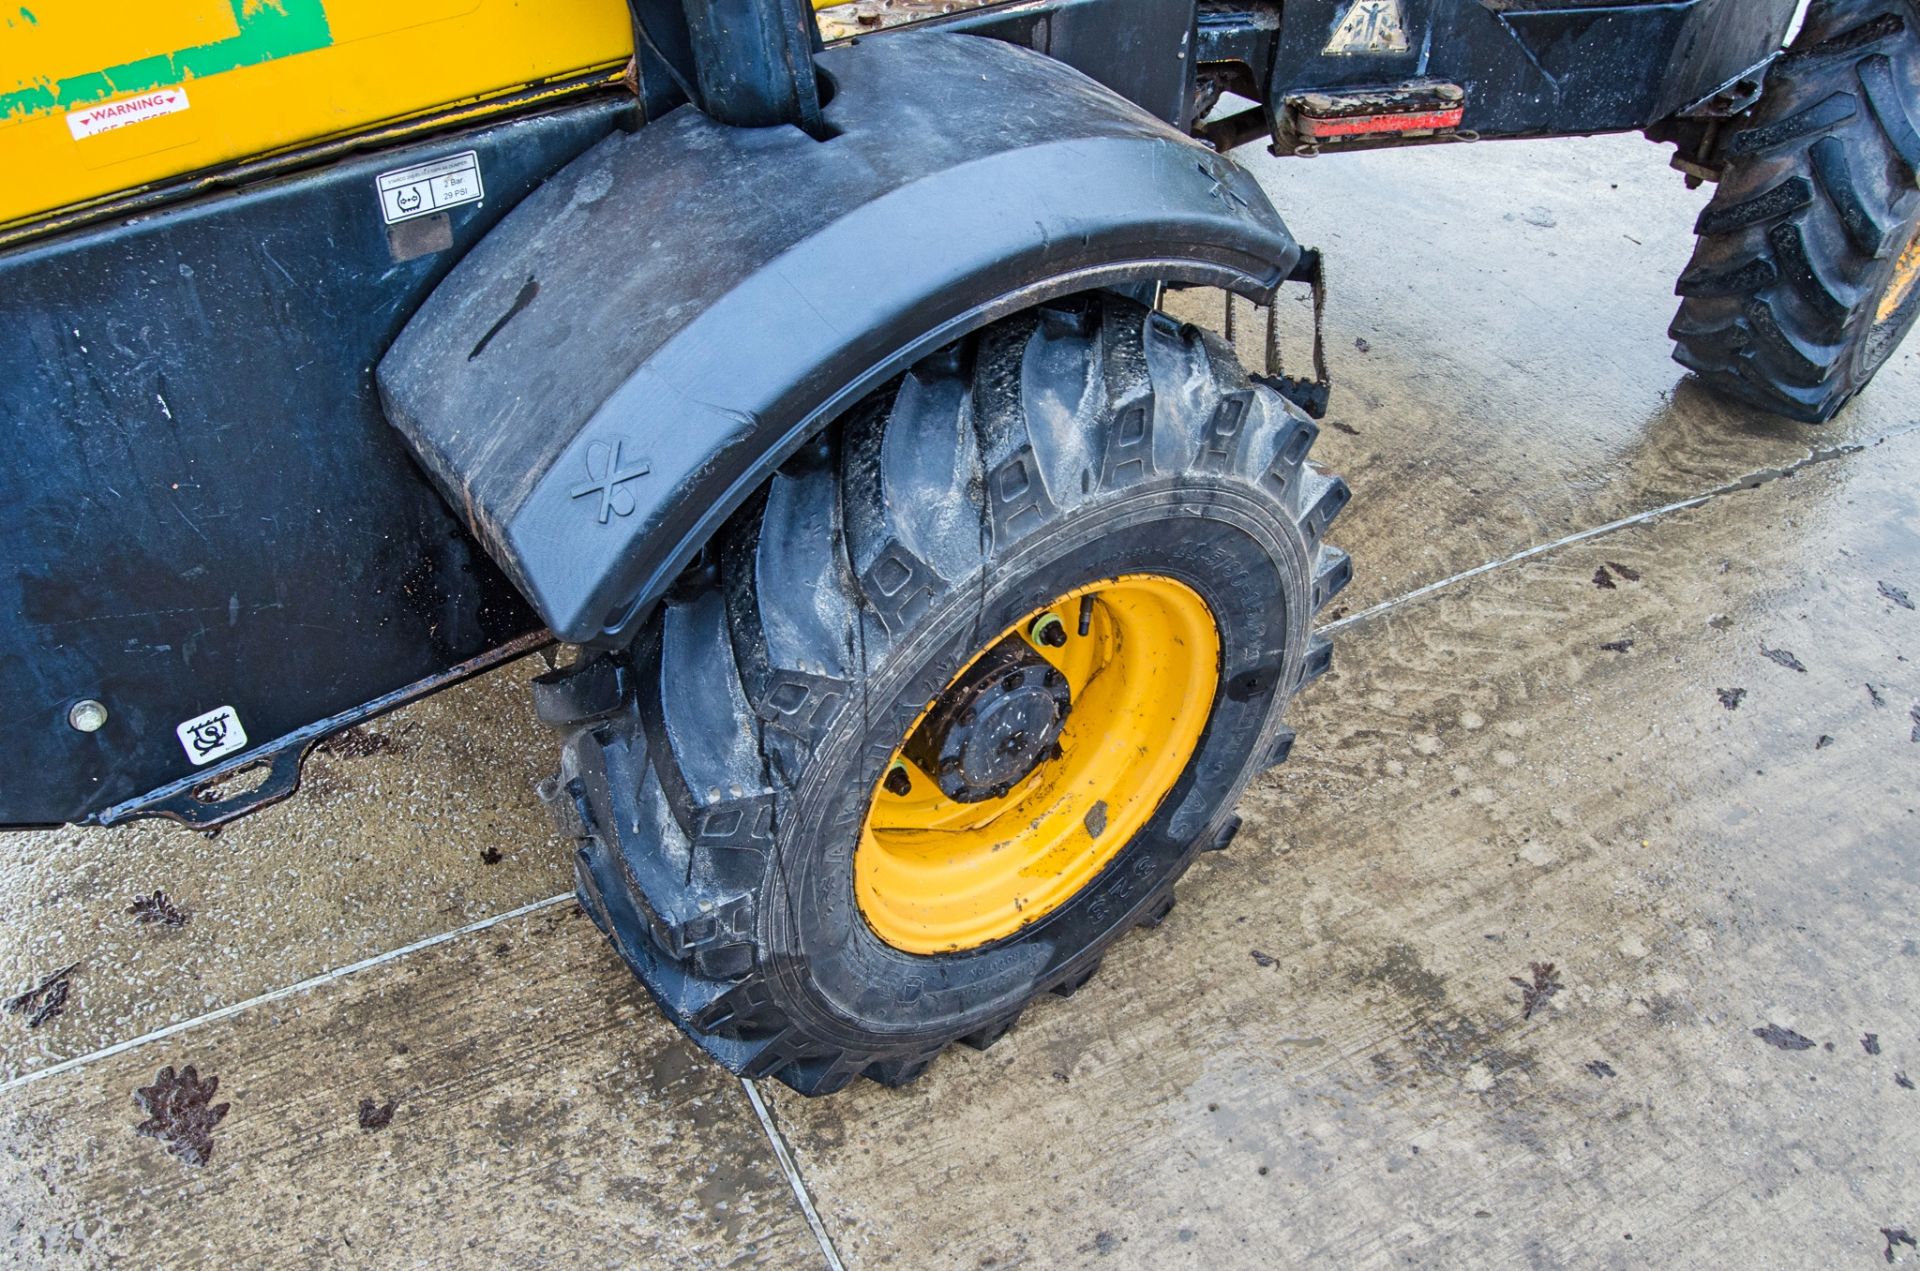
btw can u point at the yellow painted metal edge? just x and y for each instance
(504, 103)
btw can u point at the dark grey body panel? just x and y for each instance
(606, 378)
(202, 504)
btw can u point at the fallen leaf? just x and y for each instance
(181, 1113)
(1784, 1038)
(47, 999)
(1534, 993)
(377, 1116)
(1783, 658)
(157, 908)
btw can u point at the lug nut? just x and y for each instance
(1048, 630)
(898, 782)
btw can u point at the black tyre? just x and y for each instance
(887, 637)
(1804, 279)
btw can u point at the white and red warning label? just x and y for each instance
(430, 187)
(90, 121)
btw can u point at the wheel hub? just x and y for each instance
(995, 725)
(1037, 764)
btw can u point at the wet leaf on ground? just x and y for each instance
(357, 742)
(1602, 580)
(1897, 1236)
(491, 856)
(1261, 959)
(1626, 572)
(1783, 658)
(181, 1113)
(377, 1116)
(1784, 1038)
(45, 1000)
(1616, 646)
(158, 908)
(1544, 984)
(1732, 697)
(1903, 1081)
(1823, 743)
(1601, 1068)
(1870, 1042)
(1874, 696)
(1897, 595)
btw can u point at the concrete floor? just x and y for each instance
(1554, 735)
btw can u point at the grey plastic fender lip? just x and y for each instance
(606, 377)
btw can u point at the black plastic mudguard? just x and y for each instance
(612, 371)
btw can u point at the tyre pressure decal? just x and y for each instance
(430, 187)
(211, 736)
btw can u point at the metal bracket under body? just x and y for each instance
(1310, 395)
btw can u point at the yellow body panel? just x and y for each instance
(205, 83)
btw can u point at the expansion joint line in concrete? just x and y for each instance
(784, 1155)
(1750, 482)
(273, 995)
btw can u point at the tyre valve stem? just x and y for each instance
(898, 781)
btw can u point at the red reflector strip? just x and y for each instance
(1357, 125)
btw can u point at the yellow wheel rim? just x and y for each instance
(1140, 657)
(1906, 274)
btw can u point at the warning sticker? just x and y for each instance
(1370, 27)
(207, 737)
(90, 121)
(430, 187)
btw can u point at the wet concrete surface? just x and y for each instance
(506, 1099)
(423, 821)
(1324, 1053)
(1324, 1056)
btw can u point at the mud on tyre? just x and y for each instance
(1807, 272)
(1042, 601)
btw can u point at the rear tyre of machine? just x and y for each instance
(949, 707)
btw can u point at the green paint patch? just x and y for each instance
(266, 30)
